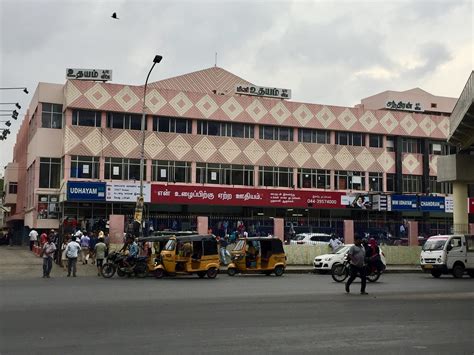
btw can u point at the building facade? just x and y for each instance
(212, 151)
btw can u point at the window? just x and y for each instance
(52, 116)
(440, 187)
(391, 182)
(306, 135)
(349, 180)
(433, 105)
(350, 138)
(375, 141)
(225, 129)
(48, 206)
(12, 188)
(390, 144)
(314, 178)
(441, 148)
(50, 173)
(172, 125)
(123, 169)
(411, 183)
(276, 133)
(124, 121)
(86, 118)
(411, 145)
(171, 171)
(225, 174)
(84, 167)
(375, 182)
(273, 176)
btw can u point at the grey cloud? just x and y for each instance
(433, 55)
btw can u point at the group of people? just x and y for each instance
(78, 245)
(363, 256)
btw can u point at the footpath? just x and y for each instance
(19, 262)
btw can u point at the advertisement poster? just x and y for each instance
(175, 194)
(360, 201)
(85, 191)
(449, 204)
(123, 192)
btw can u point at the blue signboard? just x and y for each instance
(432, 203)
(85, 191)
(404, 202)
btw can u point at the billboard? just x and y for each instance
(431, 204)
(404, 202)
(126, 192)
(176, 194)
(85, 191)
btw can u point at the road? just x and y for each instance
(403, 313)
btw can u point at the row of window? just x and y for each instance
(227, 174)
(52, 118)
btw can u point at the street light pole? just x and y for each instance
(140, 200)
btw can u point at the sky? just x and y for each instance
(327, 52)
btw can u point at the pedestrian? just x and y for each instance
(224, 253)
(356, 256)
(33, 238)
(47, 253)
(99, 251)
(43, 239)
(93, 241)
(72, 251)
(334, 243)
(85, 240)
(107, 243)
(63, 252)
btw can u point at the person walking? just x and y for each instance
(99, 252)
(85, 240)
(356, 256)
(63, 252)
(72, 251)
(93, 241)
(47, 253)
(334, 243)
(33, 238)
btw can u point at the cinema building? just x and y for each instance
(217, 145)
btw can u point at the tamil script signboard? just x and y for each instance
(174, 194)
(405, 106)
(89, 74)
(126, 192)
(277, 93)
(85, 191)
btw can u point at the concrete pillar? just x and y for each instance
(332, 185)
(471, 228)
(117, 227)
(295, 134)
(295, 177)
(460, 213)
(412, 233)
(193, 172)
(279, 228)
(202, 224)
(348, 231)
(194, 127)
(67, 167)
(255, 176)
(148, 168)
(101, 168)
(256, 132)
(103, 120)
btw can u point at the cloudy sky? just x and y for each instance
(327, 52)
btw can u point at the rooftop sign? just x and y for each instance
(276, 93)
(89, 74)
(404, 106)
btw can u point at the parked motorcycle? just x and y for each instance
(116, 263)
(340, 272)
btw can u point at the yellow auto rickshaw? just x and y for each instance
(194, 254)
(156, 243)
(259, 254)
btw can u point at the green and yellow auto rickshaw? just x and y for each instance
(194, 254)
(258, 255)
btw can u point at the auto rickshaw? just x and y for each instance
(194, 254)
(157, 242)
(258, 254)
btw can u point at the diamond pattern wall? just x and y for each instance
(153, 146)
(365, 159)
(254, 152)
(389, 122)
(70, 140)
(154, 101)
(344, 158)
(408, 124)
(97, 95)
(386, 161)
(279, 112)
(181, 104)
(277, 153)
(410, 163)
(229, 150)
(72, 93)
(207, 106)
(347, 118)
(95, 142)
(126, 98)
(322, 156)
(303, 115)
(179, 147)
(125, 143)
(232, 108)
(368, 120)
(205, 149)
(300, 155)
(325, 117)
(256, 110)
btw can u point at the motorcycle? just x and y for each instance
(340, 272)
(116, 263)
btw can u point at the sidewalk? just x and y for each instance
(20, 262)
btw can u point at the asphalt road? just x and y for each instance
(403, 314)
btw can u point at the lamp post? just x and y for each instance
(140, 199)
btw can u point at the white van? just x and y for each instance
(443, 254)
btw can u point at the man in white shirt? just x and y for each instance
(33, 238)
(72, 251)
(334, 243)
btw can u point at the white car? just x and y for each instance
(311, 238)
(323, 263)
